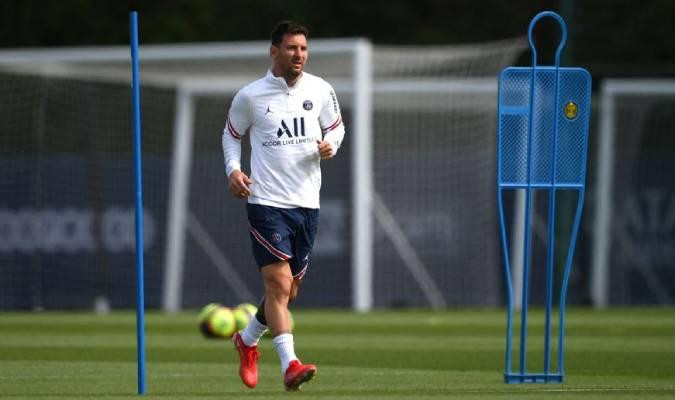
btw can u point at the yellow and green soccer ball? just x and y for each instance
(203, 318)
(217, 321)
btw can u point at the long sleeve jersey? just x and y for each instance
(284, 123)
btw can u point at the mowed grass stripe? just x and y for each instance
(584, 362)
(190, 381)
(393, 329)
(353, 341)
(627, 316)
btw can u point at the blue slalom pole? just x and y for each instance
(136, 119)
(552, 189)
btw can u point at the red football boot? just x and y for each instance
(297, 374)
(248, 358)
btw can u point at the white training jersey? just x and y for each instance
(284, 124)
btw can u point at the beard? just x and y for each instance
(291, 72)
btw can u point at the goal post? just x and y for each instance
(625, 105)
(362, 176)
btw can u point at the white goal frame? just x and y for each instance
(108, 64)
(361, 169)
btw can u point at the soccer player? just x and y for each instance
(294, 122)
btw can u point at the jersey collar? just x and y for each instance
(281, 81)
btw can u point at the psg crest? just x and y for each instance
(307, 105)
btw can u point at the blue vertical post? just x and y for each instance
(136, 122)
(552, 188)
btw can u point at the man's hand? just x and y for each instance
(239, 184)
(325, 149)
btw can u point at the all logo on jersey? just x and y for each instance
(290, 133)
(307, 105)
(297, 123)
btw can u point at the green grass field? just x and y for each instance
(626, 353)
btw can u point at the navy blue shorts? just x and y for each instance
(282, 234)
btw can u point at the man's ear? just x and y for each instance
(273, 51)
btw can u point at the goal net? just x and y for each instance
(66, 216)
(66, 191)
(633, 224)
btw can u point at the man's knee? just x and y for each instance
(279, 286)
(278, 280)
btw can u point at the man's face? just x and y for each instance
(291, 55)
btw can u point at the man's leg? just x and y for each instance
(278, 280)
(280, 288)
(265, 226)
(260, 314)
(272, 312)
(279, 255)
(256, 327)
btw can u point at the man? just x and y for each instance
(294, 121)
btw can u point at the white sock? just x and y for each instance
(253, 332)
(284, 345)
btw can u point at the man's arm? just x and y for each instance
(238, 181)
(332, 127)
(236, 125)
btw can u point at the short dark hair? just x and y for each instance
(285, 27)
